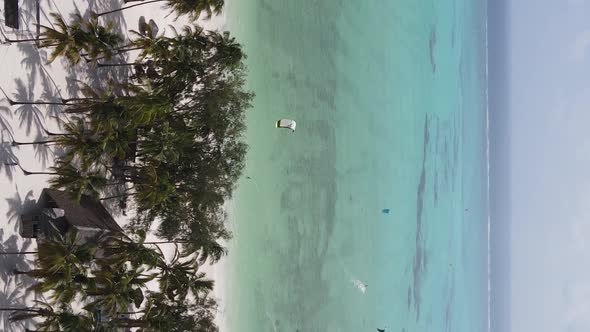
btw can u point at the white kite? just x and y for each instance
(287, 124)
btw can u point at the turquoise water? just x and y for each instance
(390, 101)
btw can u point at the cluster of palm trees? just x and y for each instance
(166, 143)
(108, 275)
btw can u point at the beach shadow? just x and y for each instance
(43, 152)
(52, 93)
(15, 292)
(7, 158)
(30, 116)
(10, 262)
(18, 205)
(12, 297)
(97, 6)
(32, 60)
(5, 114)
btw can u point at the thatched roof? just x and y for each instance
(89, 213)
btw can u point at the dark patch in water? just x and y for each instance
(436, 188)
(291, 78)
(450, 302)
(431, 46)
(420, 259)
(454, 24)
(266, 6)
(446, 179)
(448, 316)
(436, 161)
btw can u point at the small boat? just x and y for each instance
(287, 124)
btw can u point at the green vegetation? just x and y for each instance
(109, 275)
(166, 144)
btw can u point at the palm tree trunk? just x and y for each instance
(114, 49)
(168, 242)
(127, 322)
(100, 65)
(24, 40)
(50, 133)
(15, 143)
(20, 309)
(19, 272)
(18, 252)
(69, 100)
(131, 6)
(119, 51)
(118, 196)
(123, 50)
(12, 102)
(27, 173)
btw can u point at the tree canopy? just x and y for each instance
(167, 144)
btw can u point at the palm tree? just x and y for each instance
(119, 250)
(180, 275)
(62, 319)
(228, 50)
(162, 314)
(62, 266)
(103, 42)
(153, 187)
(90, 146)
(42, 309)
(193, 8)
(79, 37)
(71, 40)
(116, 287)
(78, 181)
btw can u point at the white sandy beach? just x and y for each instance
(23, 68)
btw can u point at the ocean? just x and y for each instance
(390, 99)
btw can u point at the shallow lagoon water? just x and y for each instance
(390, 103)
